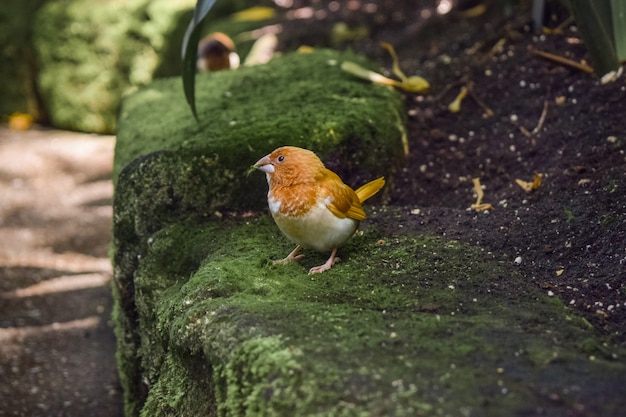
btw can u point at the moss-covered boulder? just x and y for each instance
(405, 325)
(303, 100)
(169, 167)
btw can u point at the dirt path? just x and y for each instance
(57, 348)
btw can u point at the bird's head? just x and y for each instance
(290, 165)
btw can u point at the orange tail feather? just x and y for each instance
(366, 191)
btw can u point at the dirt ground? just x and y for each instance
(525, 115)
(57, 349)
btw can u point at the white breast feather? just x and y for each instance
(319, 229)
(274, 204)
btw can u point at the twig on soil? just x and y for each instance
(559, 29)
(539, 126)
(562, 60)
(478, 101)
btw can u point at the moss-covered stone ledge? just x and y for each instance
(174, 167)
(405, 325)
(171, 169)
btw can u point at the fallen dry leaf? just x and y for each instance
(414, 84)
(530, 186)
(455, 105)
(20, 121)
(479, 205)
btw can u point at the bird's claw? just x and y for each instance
(288, 259)
(325, 267)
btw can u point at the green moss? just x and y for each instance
(91, 54)
(297, 99)
(169, 168)
(411, 326)
(405, 325)
(182, 377)
(17, 66)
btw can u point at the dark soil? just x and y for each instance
(568, 236)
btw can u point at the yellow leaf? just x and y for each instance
(481, 207)
(20, 121)
(455, 106)
(415, 84)
(394, 57)
(366, 74)
(530, 186)
(254, 14)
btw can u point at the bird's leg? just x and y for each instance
(291, 257)
(329, 263)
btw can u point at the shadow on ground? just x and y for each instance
(57, 349)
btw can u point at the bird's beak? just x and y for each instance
(264, 164)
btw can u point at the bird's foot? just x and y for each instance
(325, 267)
(329, 263)
(287, 260)
(293, 256)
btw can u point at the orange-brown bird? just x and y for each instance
(216, 52)
(311, 204)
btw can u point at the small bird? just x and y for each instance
(310, 203)
(216, 52)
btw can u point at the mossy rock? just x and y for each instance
(169, 168)
(405, 325)
(200, 167)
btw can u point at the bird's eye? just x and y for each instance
(280, 158)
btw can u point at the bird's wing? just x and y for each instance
(343, 201)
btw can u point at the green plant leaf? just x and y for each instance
(618, 9)
(595, 24)
(190, 51)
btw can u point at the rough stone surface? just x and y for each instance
(175, 168)
(407, 325)
(299, 99)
